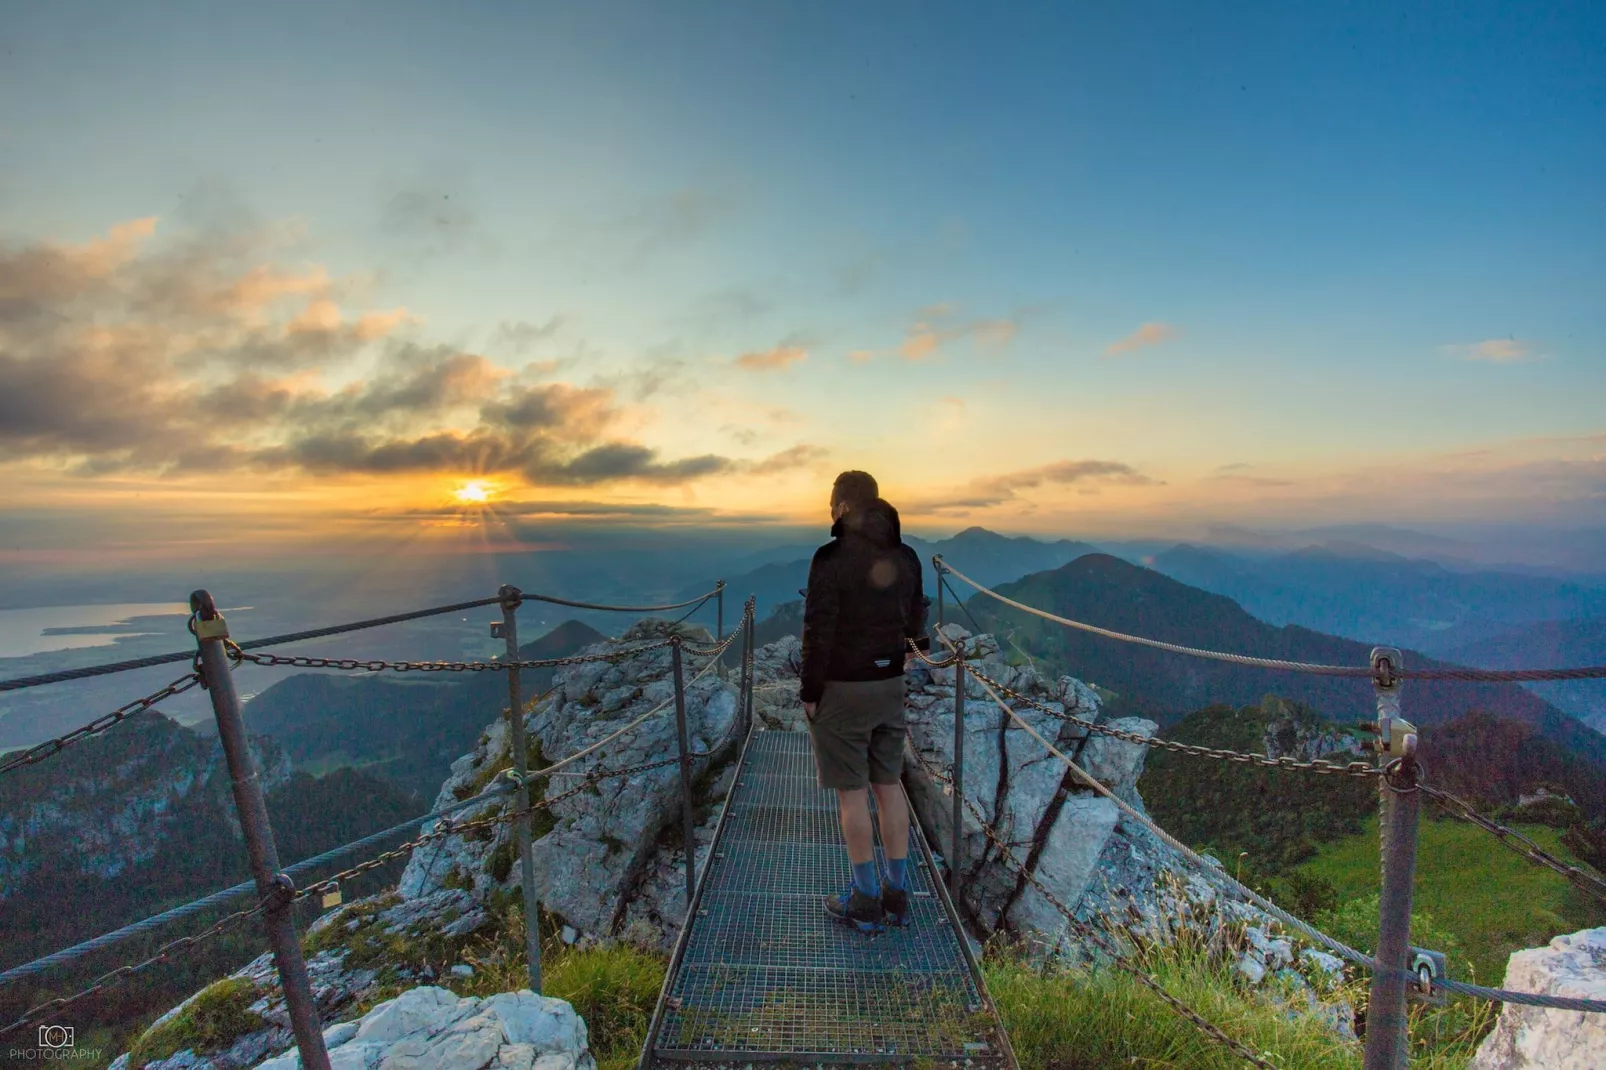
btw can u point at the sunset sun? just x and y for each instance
(476, 492)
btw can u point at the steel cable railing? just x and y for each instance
(64, 675)
(1451, 673)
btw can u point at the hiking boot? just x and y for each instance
(894, 904)
(862, 911)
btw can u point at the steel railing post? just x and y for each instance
(959, 777)
(1387, 1037)
(719, 621)
(687, 815)
(936, 565)
(519, 744)
(273, 887)
(747, 667)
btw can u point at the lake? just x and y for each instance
(36, 631)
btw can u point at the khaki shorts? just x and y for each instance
(858, 733)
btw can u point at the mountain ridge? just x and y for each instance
(1107, 591)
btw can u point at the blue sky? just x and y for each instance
(1339, 241)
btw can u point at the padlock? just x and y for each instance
(329, 897)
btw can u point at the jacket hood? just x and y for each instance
(877, 522)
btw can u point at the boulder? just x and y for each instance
(429, 1028)
(1571, 965)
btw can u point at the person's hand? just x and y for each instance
(809, 708)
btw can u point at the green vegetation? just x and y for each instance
(217, 1016)
(1062, 1018)
(1491, 900)
(1276, 816)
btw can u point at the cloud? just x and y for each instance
(861, 356)
(200, 357)
(1495, 351)
(778, 359)
(989, 491)
(929, 332)
(520, 336)
(799, 456)
(1150, 334)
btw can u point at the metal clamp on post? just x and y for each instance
(281, 894)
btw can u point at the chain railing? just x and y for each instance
(1517, 842)
(499, 789)
(1363, 770)
(1215, 875)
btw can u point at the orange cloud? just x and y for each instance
(1496, 351)
(1150, 334)
(777, 359)
(925, 337)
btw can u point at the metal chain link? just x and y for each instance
(114, 977)
(1206, 1026)
(302, 661)
(1528, 849)
(1361, 769)
(100, 724)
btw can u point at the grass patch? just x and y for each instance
(1061, 1018)
(214, 1020)
(1490, 899)
(613, 988)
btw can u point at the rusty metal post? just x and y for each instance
(1388, 1043)
(749, 668)
(512, 597)
(273, 887)
(686, 807)
(959, 777)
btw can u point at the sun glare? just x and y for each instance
(475, 493)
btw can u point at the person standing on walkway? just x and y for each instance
(864, 603)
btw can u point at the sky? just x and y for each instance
(426, 275)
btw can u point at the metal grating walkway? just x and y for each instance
(764, 975)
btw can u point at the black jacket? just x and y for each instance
(864, 602)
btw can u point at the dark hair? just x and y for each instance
(855, 489)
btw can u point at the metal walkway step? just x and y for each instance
(764, 975)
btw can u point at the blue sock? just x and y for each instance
(895, 873)
(864, 878)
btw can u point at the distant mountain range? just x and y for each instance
(1106, 591)
(985, 555)
(1550, 645)
(405, 733)
(1380, 597)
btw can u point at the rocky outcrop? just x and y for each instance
(429, 1028)
(605, 860)
(1068, 837)
(1534, 1037)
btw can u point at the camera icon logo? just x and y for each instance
(55, 1036)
